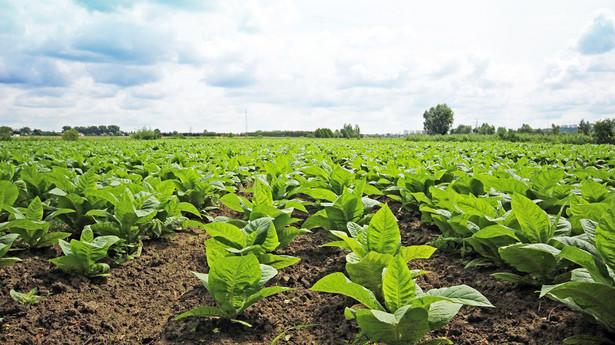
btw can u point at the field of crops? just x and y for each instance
(259, 241)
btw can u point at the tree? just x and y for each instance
(5, 133)
(603, 131)
(485, 129)
(438, 120)
(525, 128)
(462, 129)
(348, 132)
(65, 128)
(323, 133)
(585, 128)
(25, 131)
(37, 131)
(70, 135)
(554, 129)
(502, 133)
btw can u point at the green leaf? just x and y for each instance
(442, 312)
(515, 278)
(398, 329)
(368, 271)
(596, 268)
(545, 180)
(417, 252)
(397, 284)
(277, 261)
(286, 235)
(321, 194)
(605, 240)
(8, 193)
(317, 221)
(535, 223)
(261, 194)
(35, 210)
(232, 280)
(226, 233)
(338, 283)
(266, 292)
(593, 299)
(383, 234)
(538, 259)
(354, 245)
(461, 294)
(51, 238)
(203, 312)
(262, 232)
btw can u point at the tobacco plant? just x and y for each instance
(235, 282)
(80, 257)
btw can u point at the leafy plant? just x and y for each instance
(348, 207)
(81, 256)
(373, 247)
(257, 237)
(406, 313)
(235, 282)
(591, 287)
(33, 231)
(131, 214)
(26, 299)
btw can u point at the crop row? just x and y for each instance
(546, 211)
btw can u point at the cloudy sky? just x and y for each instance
(190, 65)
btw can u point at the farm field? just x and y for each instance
(521, 235)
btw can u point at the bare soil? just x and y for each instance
(137, 303)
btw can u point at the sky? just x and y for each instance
(192, 65)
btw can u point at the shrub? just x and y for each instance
(71, 135)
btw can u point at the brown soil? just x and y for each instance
(137, 303)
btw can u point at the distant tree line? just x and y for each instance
(111, 130)
(439, 119)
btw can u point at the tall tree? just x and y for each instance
(438, 120)
(585, 128)
(603, 131)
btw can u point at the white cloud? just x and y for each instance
(301, 65)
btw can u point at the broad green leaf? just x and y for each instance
(547, 179)
(392, 329)
(51, 238)
(383, 234)
(441, 313)
(354, 245)
(535, 223)
(538, 259)
(321, 194)
(35, 210)
(461, 294)
(277, 261)
(8, 193)
(368, 271)
(605, 240)
(397, 284)
(596, 268)
(262, 232)
(417, 252)
(338, 283)
(232, 280)
(266, 292)
(594, 299)
(226, 233)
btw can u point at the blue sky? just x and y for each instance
(191, 65)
